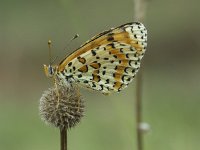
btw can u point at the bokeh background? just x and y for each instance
(171, 71)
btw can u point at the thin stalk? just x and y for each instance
(139, 15)
(138, 108)
(140, 10)
(63, 138)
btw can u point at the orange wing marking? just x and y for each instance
(121, 37)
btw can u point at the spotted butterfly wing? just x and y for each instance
(109, 61)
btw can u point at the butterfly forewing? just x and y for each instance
(109, 61)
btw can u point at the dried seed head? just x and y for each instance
(65, 111)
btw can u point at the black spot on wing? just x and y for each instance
(85, 81)
(106, 58)
(93, 52)
(80, 75)
(70, 63)
(107, 81)
(110, 38)
(112, 45)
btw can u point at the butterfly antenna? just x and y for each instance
(50, 57)
(53, 60)
(73, 38)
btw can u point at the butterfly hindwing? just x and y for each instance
(110, 60)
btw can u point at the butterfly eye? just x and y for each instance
(50, 70)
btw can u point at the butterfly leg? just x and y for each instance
(57, 92)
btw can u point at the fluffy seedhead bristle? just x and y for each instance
(65, 111)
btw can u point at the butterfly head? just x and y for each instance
(50, 71)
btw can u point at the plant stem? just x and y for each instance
(63, 138)
(139, 14)
(140, 10)
(139, 110)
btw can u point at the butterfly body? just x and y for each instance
(108, 62)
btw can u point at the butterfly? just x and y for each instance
(108, 62)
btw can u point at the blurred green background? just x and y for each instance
(171, 74)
